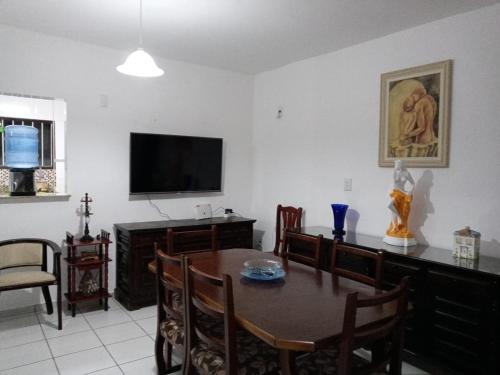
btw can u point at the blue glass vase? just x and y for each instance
(339, 212)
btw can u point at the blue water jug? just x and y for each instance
(21, 146)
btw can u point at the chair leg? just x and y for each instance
(168, 353)
(170, 367)
(59, 307)
(396, 362)
(48, 300)
(187, 368)
(160, 361)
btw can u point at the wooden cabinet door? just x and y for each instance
(459, 325)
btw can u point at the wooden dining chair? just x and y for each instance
(386, 339)
(170, 326)
(192, 241)
(220, 349)
(286, 218)
(302, 248)
(377, 258)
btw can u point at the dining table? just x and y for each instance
(301, 312)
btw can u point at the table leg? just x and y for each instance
(287, 362)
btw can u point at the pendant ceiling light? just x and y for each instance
(140, 63)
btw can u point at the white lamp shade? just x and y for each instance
(140, 64)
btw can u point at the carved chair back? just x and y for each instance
(199, 240)
(377, 258)
(286, 218)
(302, 248)
(195, 307)
(167, 285)
(386, 339)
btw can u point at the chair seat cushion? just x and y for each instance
(20, 278)
(173, 329)
(254, 357)
(324, 362)
(177, 302)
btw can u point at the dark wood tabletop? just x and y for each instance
(303, 312)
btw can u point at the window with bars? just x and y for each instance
(45, 139)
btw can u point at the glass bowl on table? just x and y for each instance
(263, 269)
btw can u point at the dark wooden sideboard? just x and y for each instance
(135, 285)
(454, 327)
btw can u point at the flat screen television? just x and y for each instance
(162, 163)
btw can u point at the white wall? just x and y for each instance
(188, 99)
(329, 131)
(330, 125)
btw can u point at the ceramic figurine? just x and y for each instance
(398, 233)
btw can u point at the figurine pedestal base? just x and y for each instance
(398, 241)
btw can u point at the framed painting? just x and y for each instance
(414, 116)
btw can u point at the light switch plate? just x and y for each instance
(347, 184)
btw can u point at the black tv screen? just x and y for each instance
(172, 163)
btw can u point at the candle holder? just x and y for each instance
(339, 212)
(86, 236)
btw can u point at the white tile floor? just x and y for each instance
(95, 342)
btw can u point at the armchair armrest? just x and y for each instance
(57, 264)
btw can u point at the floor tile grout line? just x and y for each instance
(65, 334)
(122, 341)
(137, 324)
(104, 346)
(109, 325)
(86, 350)
(107, 368)
(44, 340)
(29, 364)
(136, 360)
(47, 342)
(141, 327)
(78, 351)
(68, 334)
(53, 357)
(26, 343)
(62, 355)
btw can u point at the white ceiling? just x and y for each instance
(242, 35)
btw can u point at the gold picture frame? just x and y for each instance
(415, 116)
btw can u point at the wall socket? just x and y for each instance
(347, 184)
(103, 101)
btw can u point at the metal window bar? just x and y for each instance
(42, 148)
(1, 139)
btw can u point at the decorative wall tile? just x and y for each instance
(45, 180)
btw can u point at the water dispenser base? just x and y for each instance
(22, 182)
